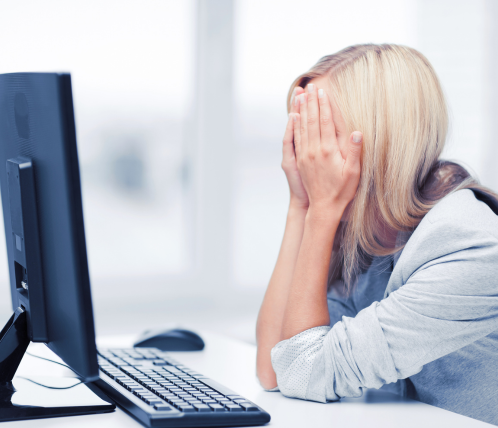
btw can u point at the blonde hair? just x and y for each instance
(392, 95)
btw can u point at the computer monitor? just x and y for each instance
(43, 217)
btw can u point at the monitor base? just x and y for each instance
(24, 399)
(39, 397)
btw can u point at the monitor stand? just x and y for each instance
(22, 398)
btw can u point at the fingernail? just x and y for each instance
(302, 98)
(311, 88)
(296, 101)
(357, 137)
(294, 117)
(320, 93)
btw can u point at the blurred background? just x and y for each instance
(180, 110)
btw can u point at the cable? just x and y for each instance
(51, 361)
(51, 387)
(48, 359)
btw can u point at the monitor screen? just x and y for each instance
(37, 126)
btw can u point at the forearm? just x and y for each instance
(307, 297)
(270, 318)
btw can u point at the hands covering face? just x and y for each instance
(323, 164)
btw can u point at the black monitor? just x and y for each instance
(43, 216)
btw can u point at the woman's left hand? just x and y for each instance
(329, 168)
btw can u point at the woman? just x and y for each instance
(388, 270)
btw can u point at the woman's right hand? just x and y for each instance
(298, 194)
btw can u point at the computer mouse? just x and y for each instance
(171, 340)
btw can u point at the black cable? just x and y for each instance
(48, 359)
(51, 361)
(50, 387)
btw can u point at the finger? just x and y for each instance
(296, 118)
(288, 146)
(327, 127)
(341, 131)
(313, 116)
(295, 102)
(303, 119)
(354, 152)
(340, 124)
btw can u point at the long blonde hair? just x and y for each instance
(392, 95)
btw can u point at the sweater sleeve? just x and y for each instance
(448, 302)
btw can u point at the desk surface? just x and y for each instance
(232, 363)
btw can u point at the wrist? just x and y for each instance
(328, 214)
(297, 205)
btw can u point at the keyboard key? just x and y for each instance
(187, 409)
(248, 406)
(135, 388)
(217, 407)
(168, 396)
(162, 407)
(152, 401)
(174, 370)
(234, 407)
(202, 407)
(148, 395)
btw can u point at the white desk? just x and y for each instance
(232, 363)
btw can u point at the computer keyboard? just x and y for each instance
(159, 391)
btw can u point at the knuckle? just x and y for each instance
(353, 171)
(311, 119)
(325, 119)
(326, 151)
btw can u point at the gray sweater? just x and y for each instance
(424, 325)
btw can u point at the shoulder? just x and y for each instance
(457, 217)
(463, 210)
(459, 227)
